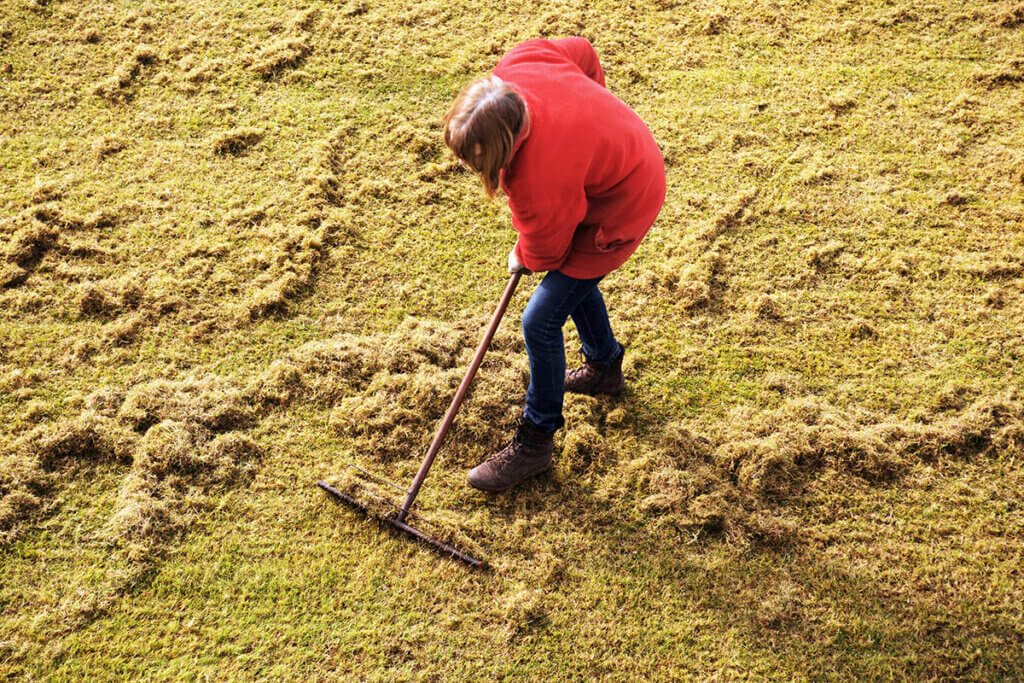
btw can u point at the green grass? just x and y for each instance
(828, 555)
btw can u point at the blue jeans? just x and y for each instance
(556, 298)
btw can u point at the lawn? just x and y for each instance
(235, 257)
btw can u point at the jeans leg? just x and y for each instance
(545, 315)
(591, 319)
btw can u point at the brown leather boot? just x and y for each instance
(597, 378)
(527, 454)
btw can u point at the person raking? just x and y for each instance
(585, 181)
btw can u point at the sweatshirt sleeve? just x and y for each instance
(546, 233)
(582, 53)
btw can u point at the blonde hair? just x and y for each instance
(482, 125)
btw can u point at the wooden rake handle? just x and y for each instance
(449, 417)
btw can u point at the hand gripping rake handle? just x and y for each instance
(449, 417)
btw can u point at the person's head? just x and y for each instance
(482, 125)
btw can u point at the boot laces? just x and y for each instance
(585, 367)
(506, 453)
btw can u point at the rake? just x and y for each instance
(402, 512)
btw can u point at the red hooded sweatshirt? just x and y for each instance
(586, 179)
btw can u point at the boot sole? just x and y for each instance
(596, 393)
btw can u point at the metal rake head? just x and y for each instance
(385, 510)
